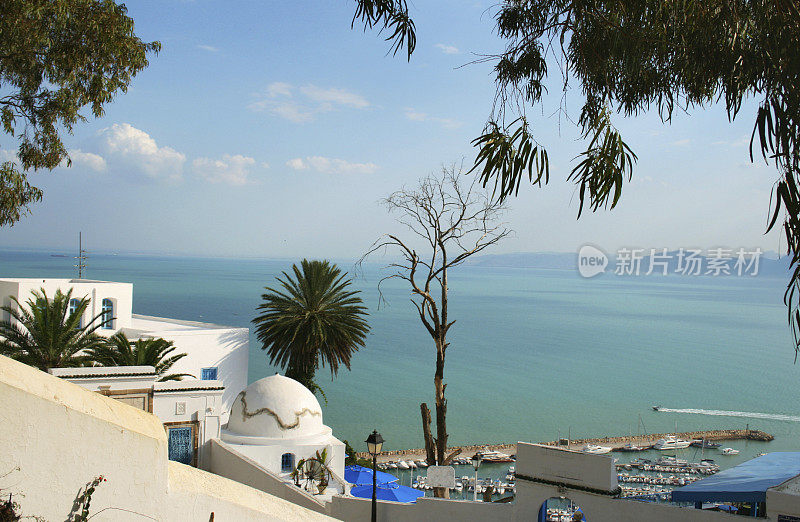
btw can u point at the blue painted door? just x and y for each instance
(208, 374)
(180, 445)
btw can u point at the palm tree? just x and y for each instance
(314, 318)
(118, 350)
(47, 333)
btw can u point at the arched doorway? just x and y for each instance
(560, 509)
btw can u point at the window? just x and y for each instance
(73, 307)
(108, 314)
(208, 374)
(181, 444)
(287, 462)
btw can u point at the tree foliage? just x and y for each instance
(45, 334)
(390, 16)
(57, 57)
(630, 56)
(118, 350)
(313, 318)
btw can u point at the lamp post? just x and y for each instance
(476, 463)
(374, 445)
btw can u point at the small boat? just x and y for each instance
(402, 465)
(671, 443)
(632, 447)
(657, 408)
(391, 465)
(594, 449)
(729, 451)
(707, 444)
(411, 464)
(495, 456)
(421, 463)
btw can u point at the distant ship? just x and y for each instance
(58, 255)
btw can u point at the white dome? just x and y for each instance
(276, 407)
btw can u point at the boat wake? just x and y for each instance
(752, 415)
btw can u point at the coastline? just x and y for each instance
(576, 444)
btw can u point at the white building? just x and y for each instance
(276, 422)
(213, 352)
(189, 409)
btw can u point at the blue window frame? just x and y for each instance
(73, 307)
(108, 314)
(181, 445)
(208, 374)
(287, 462)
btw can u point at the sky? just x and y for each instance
(273, 129)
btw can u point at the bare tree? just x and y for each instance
(450, 221)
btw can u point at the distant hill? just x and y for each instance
(560, 260)
(768, 264)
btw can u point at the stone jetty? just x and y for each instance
(648, 440)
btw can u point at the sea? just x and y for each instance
(534, 355)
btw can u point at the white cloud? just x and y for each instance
(331, 165)
(334, 97)
(232, 170)
(140, 151)
(447, 49)
(209, 48)
(297, 164)
(415, 115)
(89, 160)
(302, 104)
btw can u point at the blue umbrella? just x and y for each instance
(393, 491)
(359, 475)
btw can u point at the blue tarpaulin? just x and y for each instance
(391, 491)
(359, 475)
(747, 482)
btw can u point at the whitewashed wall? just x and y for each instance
(121, 294)
(225, 348)
(56, 437)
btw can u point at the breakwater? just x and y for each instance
(648, 440)
(614, 442)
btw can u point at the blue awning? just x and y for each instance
(747, 482)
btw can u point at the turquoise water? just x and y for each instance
(534, 353)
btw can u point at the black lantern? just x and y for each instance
(476, 462)
(374, 445)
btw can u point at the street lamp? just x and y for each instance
(476, 463)
(374, 445)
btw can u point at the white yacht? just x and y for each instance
(671, 443)
(729, 451)
(595, 449)
(401, 464)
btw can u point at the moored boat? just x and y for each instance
(707, 444)
(671, 443)
(632, 447)
(594, 449)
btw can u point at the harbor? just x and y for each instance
(643, 472)
(616, 443)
